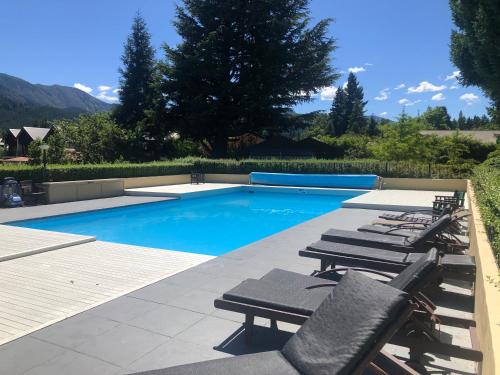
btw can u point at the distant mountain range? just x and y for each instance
(24, 104)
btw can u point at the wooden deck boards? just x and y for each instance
(41, 289)
(18, 242)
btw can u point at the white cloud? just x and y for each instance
(400, 86)
(407, 102)
(344, 86)
(469, 98)
(438, 97)
(425, 86)
(82, 87)
(383, 114)
(328, 93)
(368, 64)
(454, 87)
(116, 91)
(103, 88)
(383, 95)
(356, 69)
(453, 75)
(107, 98)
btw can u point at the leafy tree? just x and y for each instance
(339, 117)
(96, 138)
(355, 109)
(474, 45)
(55, 153)
(402, 141)
(136, 84)
(437, 118)
(242, 65)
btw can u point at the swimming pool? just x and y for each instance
(211, 225)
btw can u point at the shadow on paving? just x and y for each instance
(264, 339)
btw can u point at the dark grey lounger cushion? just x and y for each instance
(344, 329)
(267, 363)
(353, 237)
(412, 278)
(279, 296)
(358, 251)
(451, 262)
(383, 240)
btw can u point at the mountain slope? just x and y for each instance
(22, 103)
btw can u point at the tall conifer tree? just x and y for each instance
(242, 65)
(355, 106)
(137, 75)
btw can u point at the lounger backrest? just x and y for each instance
(415, 275)
(347, 329)
(431, 231)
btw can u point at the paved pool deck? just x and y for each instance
(35, 212)
(173, 321)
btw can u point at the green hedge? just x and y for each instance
(95, 171)
(364, 166)
(486, 180)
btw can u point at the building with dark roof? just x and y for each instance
(18, 140)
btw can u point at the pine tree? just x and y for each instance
(355, 109)
(461, 123)
(372, 127)
(136, 84)
(338, 113)
(242, 65)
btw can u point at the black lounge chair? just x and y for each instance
(326, 343)
(292, 297)
(418, 218)
(420, 242)
(333, 254)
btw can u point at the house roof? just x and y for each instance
(485, 136)
(279, 146)
(14, 132)
(315, 145)
(35, 133)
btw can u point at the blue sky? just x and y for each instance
(399, 49)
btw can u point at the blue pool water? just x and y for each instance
(210, 225)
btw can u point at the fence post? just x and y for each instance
(430, 174)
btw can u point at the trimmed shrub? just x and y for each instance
(486, 180)
(72, 172)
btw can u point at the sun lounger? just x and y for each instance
(420, 242)
(292, 297)
(425, 216)
(326, 343)
(333, 254)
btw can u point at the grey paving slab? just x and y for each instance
(123, 309)
(23, 354)
(166, 320)
(160, 292)
(33, 212)
(173, 353)
(70, 333)
(201, 301)
(73, 363)
(122, 345)
(210, 331)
